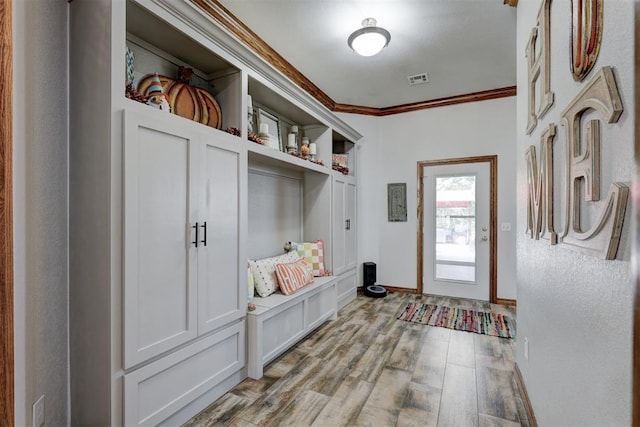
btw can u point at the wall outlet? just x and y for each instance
(38, 412)
(506, 226)
(526, 348)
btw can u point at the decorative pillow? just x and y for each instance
(264, 272)
(293, 276)
(311, 252)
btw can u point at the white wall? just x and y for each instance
(40, 209)
(575, 309)
(391, 149)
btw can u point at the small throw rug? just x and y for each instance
(461, 319)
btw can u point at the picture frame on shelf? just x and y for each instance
(273, 124)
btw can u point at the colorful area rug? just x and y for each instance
(461, 319)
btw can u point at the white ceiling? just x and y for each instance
(464, 46)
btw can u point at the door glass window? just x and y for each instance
(455, 225)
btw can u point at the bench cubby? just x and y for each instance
(279, 321)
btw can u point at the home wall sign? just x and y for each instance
(601, 95)
(540, 188)
(586, 36)
(539, 67)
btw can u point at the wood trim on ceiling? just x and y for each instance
(218, 12)
(513, 3)
(433, 103)
(228, 20)
(7, 407)
(493, 217)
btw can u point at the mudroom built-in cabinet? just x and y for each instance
(184, 191)
(166, 210)
(344, 232)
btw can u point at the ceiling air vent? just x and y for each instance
(418, 79)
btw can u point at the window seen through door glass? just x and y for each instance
(455, 227)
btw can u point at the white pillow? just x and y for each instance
(264, 272)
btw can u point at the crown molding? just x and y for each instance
(218, 12)
(234, 26)
(484, 95)
(194, 21)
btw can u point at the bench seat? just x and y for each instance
(279, 321)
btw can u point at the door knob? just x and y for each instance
(485, 238)
(484, 229)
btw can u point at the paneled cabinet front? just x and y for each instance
(182, 225)
(344, 223)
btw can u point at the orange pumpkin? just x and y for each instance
(187, 101)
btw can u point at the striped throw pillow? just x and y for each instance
(264, 272)
(293, 276)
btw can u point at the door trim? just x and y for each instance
(493, 216)
(6, 215)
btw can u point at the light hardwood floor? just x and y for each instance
(368, 368)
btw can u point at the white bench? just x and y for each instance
(279, 321)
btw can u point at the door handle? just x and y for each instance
(195, 242)
(485, 238)
(347, 224)
(484, 229)
(204, 241)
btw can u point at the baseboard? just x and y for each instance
(522, 390)
(393, 289)
(506, 301)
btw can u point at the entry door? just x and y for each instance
(456, 249)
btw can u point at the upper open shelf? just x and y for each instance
(265, 96)
(343, 154)
(159, 33)
(265, 156)
(158, 47)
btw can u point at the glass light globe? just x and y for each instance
(368, 44)
(368, 40)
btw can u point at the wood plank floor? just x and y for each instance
(369, 369)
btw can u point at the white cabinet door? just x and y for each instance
(350, 229)
(159, 259)
(338, 224)
(220, 268)
(344, 223)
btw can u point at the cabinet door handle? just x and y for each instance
(204, 226)
(195, 242)
(347, 224)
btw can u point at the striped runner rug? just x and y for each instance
(461, 319)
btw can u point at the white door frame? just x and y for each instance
(493, 217)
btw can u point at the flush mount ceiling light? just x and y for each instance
(369, 40)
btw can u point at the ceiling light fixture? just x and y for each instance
(369, 40)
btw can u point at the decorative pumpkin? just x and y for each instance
(187, 101)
